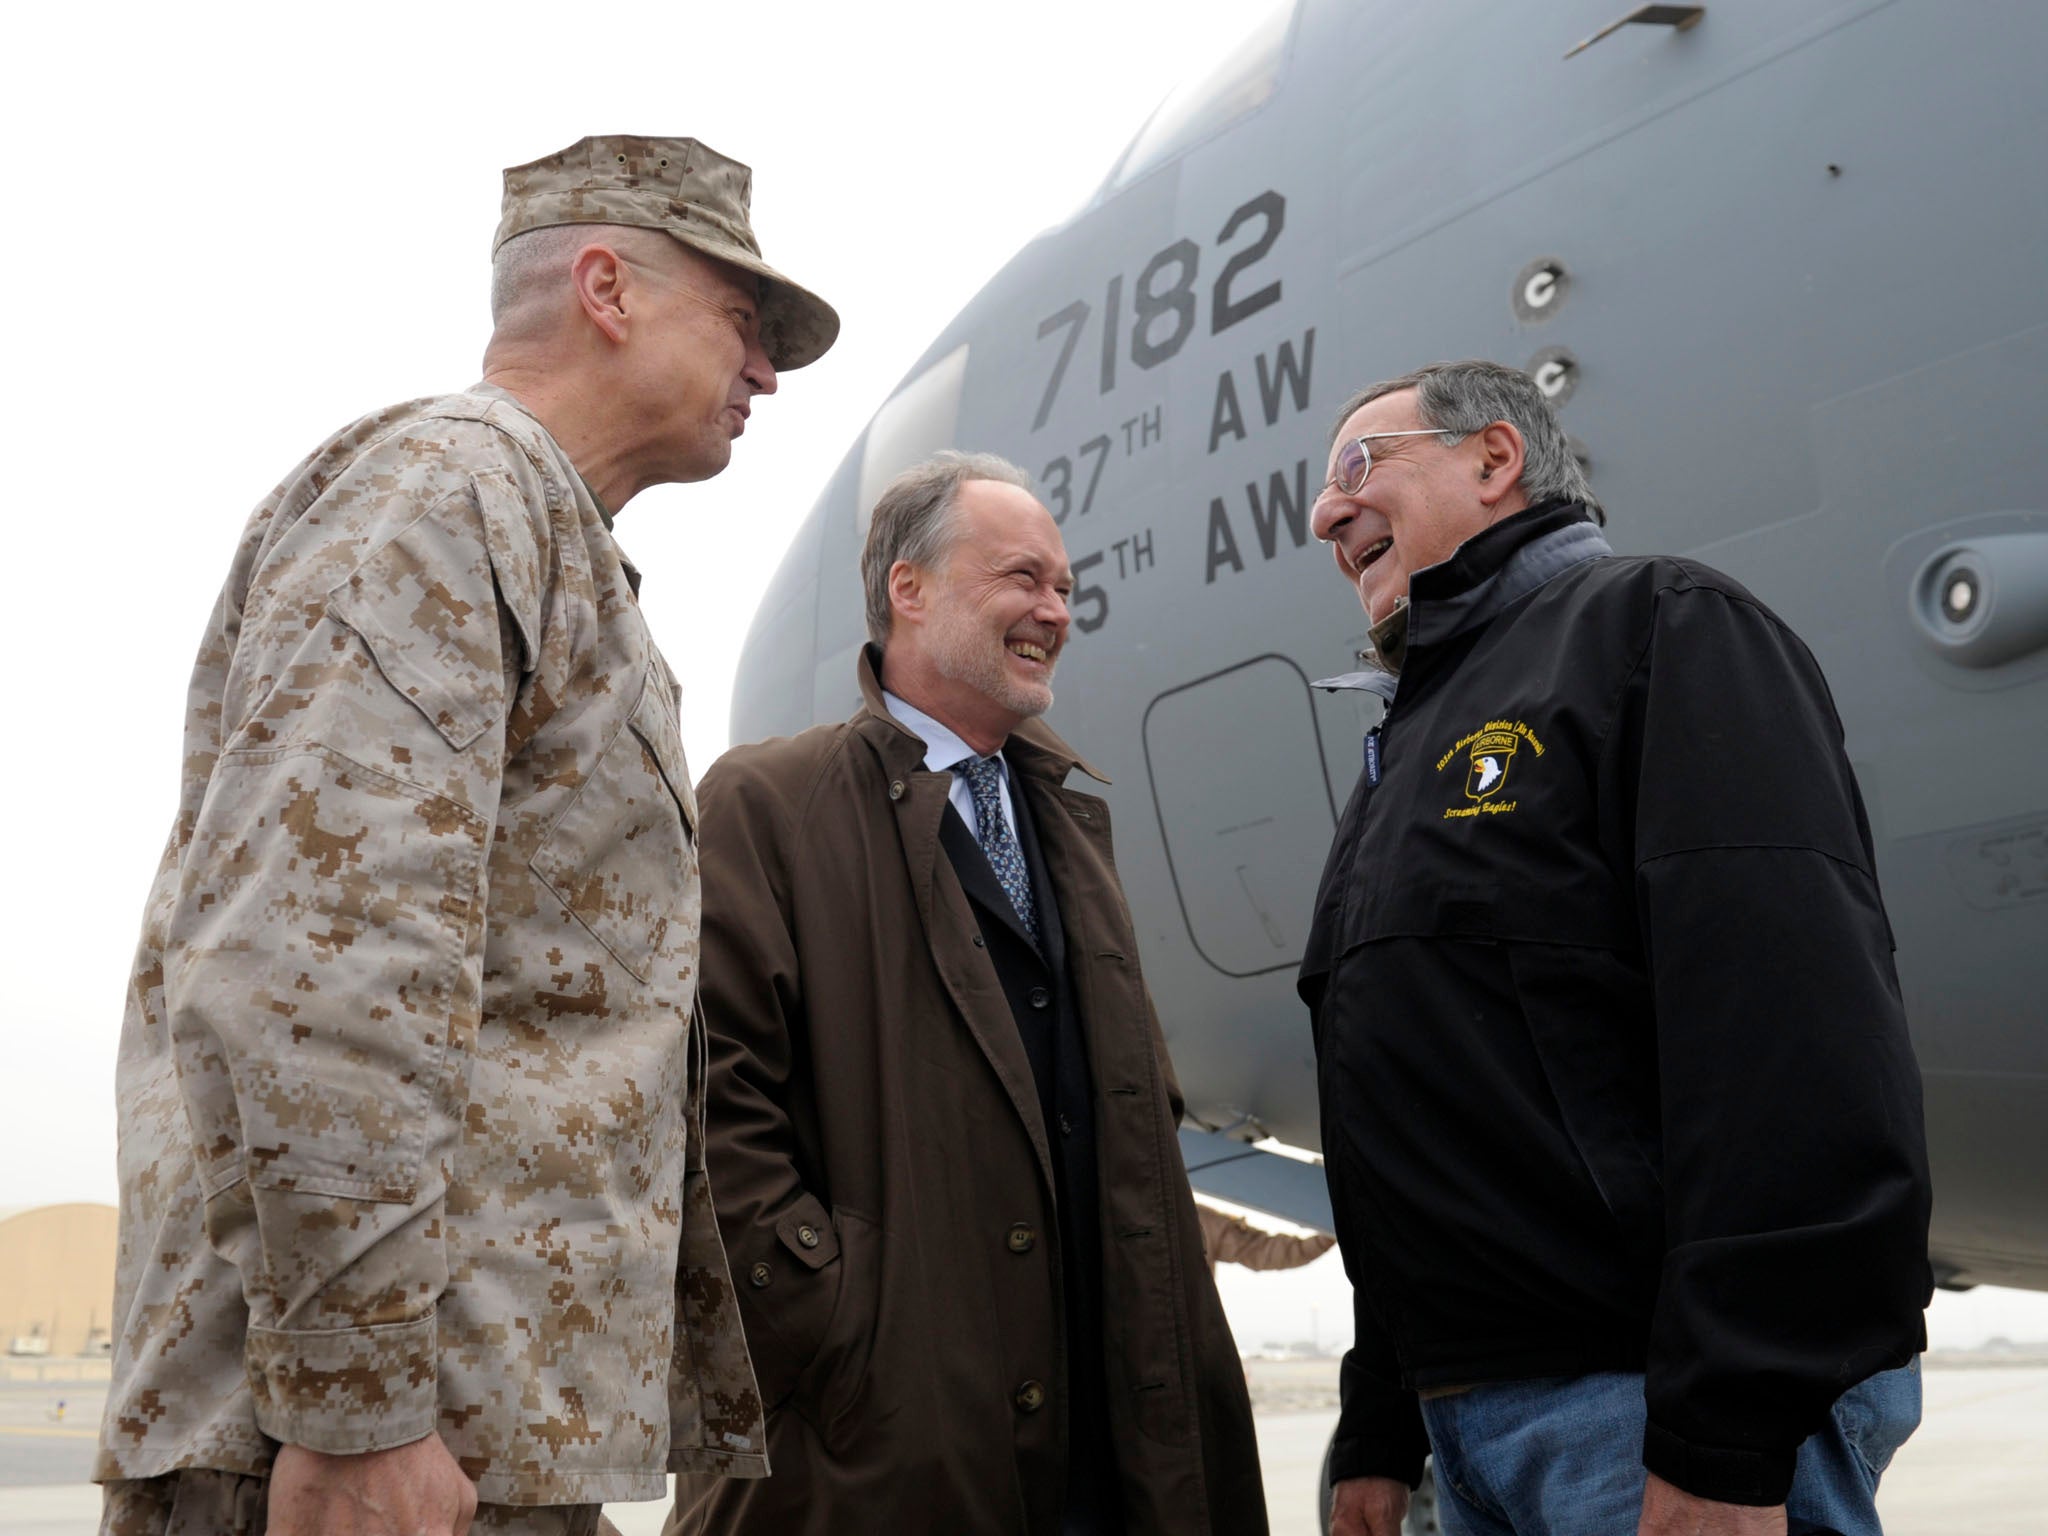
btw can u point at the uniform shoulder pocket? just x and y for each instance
(425, 605)
(517, 557)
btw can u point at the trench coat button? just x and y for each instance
(1040, 997)
(808, 1236)
(1022, 1238)
(759, 1276)
(1030, 1397)
(980, 942)
(895, 789)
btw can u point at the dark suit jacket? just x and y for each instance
(1038, 985)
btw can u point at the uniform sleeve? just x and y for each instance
(1794, 1161)
(754, 1006)
(1379, 1422)
(1233, 1240)
(324, 963)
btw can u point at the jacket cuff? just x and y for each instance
(345, 1390)
(1367, 1458)
(1759, 1478)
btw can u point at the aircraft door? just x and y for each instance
(1235, 762)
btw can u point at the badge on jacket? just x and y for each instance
(1489, 754)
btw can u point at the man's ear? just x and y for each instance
(599, 275)
(1501, 457)
(907, 594)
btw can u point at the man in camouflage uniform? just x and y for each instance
(414, 1218)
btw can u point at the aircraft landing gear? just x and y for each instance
(1421, 1521)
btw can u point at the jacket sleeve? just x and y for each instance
(1233, 1240)
(323, 969)
(754, 1006)
(1794, 1160)
(1379, 1421)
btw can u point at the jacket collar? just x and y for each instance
(1495, 567)
(1034, 749)
(494, 392)
(1482, 577)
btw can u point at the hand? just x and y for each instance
(1368, 1506)
(411, 1490)
(1671, 1511)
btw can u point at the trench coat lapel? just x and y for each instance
(919, 799)
(1072, 836)
(950, 928)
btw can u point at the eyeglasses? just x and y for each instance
(1354, 459)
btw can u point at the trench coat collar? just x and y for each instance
(1034, 748)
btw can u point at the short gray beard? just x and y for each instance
(960, 653)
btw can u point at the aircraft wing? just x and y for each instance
(1262, 1181)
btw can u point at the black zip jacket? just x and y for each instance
(1613, 1066)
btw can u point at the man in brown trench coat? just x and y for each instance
(942, 1117)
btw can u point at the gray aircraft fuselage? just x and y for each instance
(1785, 275)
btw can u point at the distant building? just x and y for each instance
(57, 1279)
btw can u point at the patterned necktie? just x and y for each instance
(998, 842)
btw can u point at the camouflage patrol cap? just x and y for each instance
(684, 189)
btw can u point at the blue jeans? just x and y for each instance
(1563, 1456)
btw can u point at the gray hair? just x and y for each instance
(536, 263)
(913, 522)
(1466, 397)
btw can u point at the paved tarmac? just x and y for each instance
(1976, 1466)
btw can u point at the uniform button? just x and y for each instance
(1066, 1126)
(759, 1276)
(808, 1236)
(895, 789)
(1022, 1238)
(1040, 997)
(1030, 1396)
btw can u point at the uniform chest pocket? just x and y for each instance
(622, 858)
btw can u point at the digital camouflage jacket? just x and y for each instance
(410, 1094)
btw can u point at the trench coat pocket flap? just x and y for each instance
(822, 1246)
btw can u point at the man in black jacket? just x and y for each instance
(1622, 1125)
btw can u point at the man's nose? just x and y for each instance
(1052, 610)
(1330, 513)
(759, 371)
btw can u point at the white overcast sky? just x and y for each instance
(231, 230)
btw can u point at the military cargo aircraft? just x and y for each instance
(1779, 264)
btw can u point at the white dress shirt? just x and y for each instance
(943, 749)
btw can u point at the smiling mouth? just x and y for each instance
(1365, 557)
(1030, 652)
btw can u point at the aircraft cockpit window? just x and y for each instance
(913, 424)
(1210, 102)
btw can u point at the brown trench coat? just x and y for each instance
(876, 1140)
